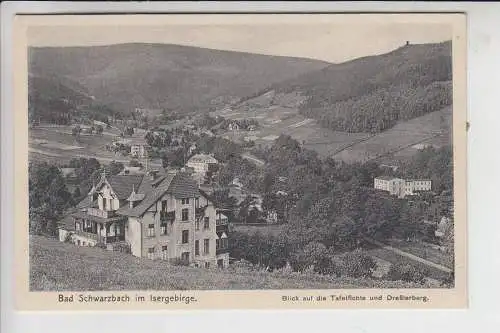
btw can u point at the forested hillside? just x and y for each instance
(371, 94)
(164, 76)
(57, 99)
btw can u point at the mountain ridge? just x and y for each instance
(170, 76)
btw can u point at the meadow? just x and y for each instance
(399, 142)
(56, 266)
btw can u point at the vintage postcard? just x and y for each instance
(249, 161)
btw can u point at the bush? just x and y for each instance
(407, 273)
(134, 163)
(314, 256)
(355, 264)
(68, 238)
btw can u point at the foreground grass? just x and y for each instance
(56, 266)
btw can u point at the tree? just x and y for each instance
(129, 131)
(76, 130)
(356, 264)
(48, 197)
(134, 163)
(99, 129)
(115, 168)
(314, 255)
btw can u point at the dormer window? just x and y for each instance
(185, 201)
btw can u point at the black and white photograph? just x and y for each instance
(211, 156)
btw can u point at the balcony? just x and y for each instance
(105, 214)
(220, 222)
(222, 250)
(167, 216)
(100, 238)
(221, 246)
(113, 239)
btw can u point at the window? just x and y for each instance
(78, 226)
(151, 230)
(151, 253)
(185, 236)
(196, 247)
(164, 252)
(164, 206)
(185, 214)
(185, 256)
(83, 244)
(206, 223)
(185, 201)
(223, 243)
(163, 228)
(217, 244)
(197, 202)
(197, 225)
(206, 246)
(78, 242)
(207, 265)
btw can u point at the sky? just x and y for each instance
(323, 41)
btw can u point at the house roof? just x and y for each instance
(385, 177)
(202, 158)
(418, 180)
(146, 190)
(68, 172)
(136, 197)
(85, 203)
(183, 186)
(122, 184)
(180, 185)
(98, 219)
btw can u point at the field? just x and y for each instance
(401, 141)
(56, 144)
(56, 266)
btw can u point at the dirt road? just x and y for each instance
(253, 159)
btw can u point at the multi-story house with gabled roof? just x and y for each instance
(155, 216)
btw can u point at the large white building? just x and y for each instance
(201, 163)
(401, 187)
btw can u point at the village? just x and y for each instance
(160, 205)
(292, 176)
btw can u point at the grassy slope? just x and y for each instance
(58, 266)
(126, 76)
